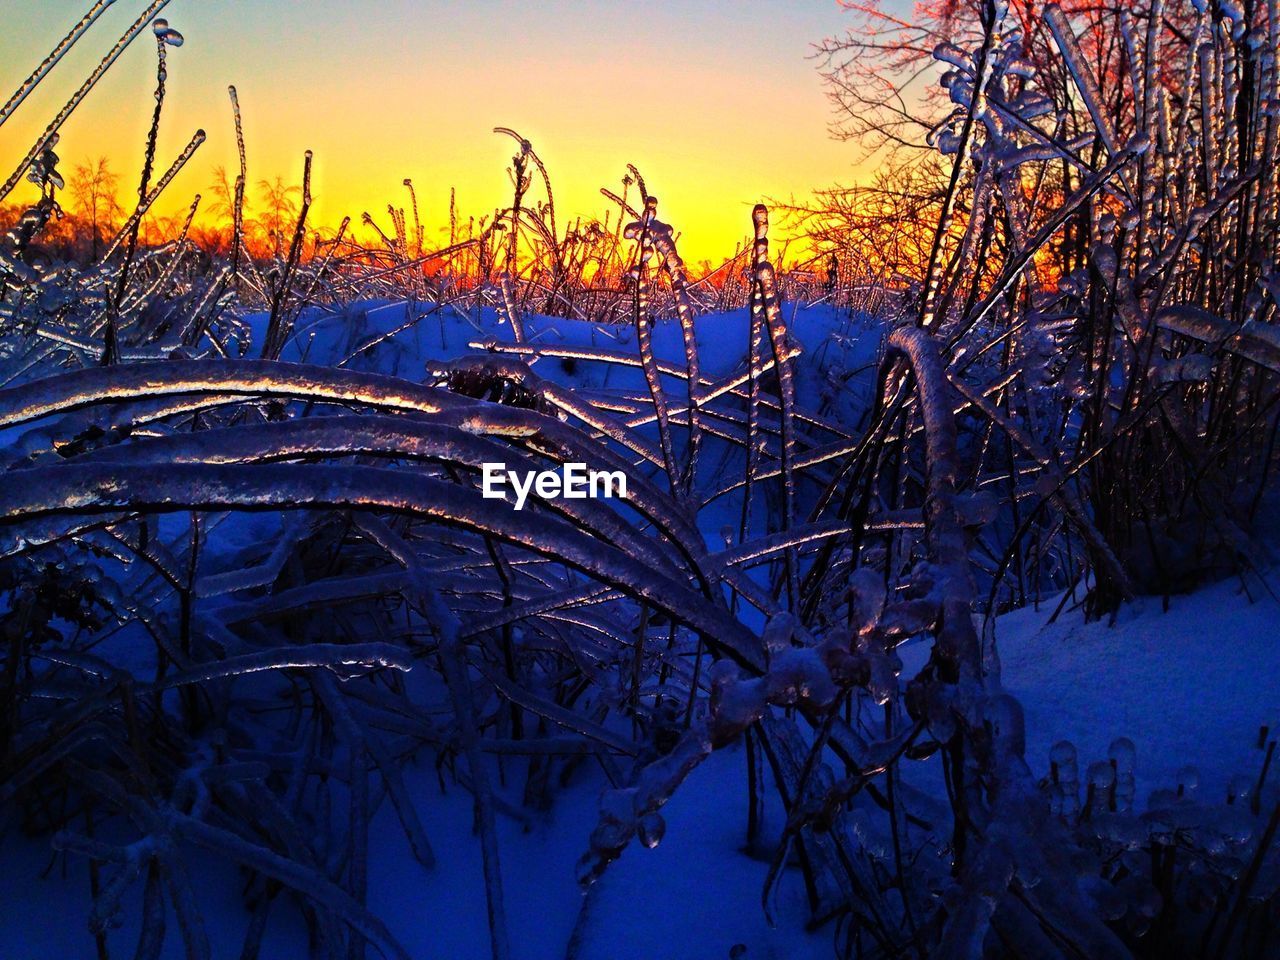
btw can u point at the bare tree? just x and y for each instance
(280, 209)
(94, 186)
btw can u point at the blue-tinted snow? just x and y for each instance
(1188, 687)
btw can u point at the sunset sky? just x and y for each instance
(716, 102)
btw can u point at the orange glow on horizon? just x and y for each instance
(717, 104)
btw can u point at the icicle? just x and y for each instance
(651, 828)
(1123, 758)
(1102, 780)
(509, 310)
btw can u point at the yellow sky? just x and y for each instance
(715, 102)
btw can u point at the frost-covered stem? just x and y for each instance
(95, 884)
(710, 389)
(551, 202)
(1266, 96)
(992, 781)
(592, 593)
(665, 244)
(895, 828)
(388, 766)
(179, 249)
(1081, 75)
(972, 244)
(277, 332)
(418, 232)
(641, 231)
(1208, 135)
(557, 396)
(1013, 269)
(520, 182)
(1233, 126)
(341, 283)
(398, 437)
(521, 161)
(755, 365)
(51, 61)
(771, 305)
(1186, 80)
(73, 489)
(136, 381)
(319, 274)
(936, 267)
(1068, 501)
(387, 655)
(510, 307)
(130, 226)
(110, 352)
(958, 643)
(197, 321)
(506, 576)
(237, 214)
(1151, 96)
(45, 139)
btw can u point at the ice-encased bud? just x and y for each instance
(866, 597)
(166, 34)
(651, 829)
(1064, 770)
(1063, 763)
(1124, 761)
(1101, 780)
(883, 670)
(1055, 801)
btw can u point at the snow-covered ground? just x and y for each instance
(1189, 686)
(1166, 680)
